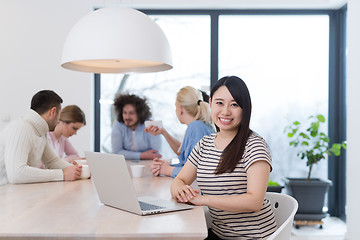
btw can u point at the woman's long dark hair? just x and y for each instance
(234, 151)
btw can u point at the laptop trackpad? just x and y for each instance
(166, 204)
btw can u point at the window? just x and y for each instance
(289, 60)
(284, 61)
(189, 40)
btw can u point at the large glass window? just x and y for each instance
(284, 61)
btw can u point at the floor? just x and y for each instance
(333, 229)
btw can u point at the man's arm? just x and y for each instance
(51, 160)
(20, 145)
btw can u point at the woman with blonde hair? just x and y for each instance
(192, 109)
(72, 118)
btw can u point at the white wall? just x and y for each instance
(353, 116)
(32, 34)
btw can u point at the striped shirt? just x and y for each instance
(250, 225)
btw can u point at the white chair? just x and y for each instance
(284, 207)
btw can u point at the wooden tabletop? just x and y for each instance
(72, 210)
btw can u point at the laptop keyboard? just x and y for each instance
(147, 206)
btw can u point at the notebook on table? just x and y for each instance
(114, 186)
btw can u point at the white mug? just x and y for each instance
(85, 172)
(81, 162)
(137, 170)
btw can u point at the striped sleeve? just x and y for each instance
(194, 156)
(256, 149)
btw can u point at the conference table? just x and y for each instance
(72, 210)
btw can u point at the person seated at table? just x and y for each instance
(72, 118)
(192, 110)
(128, 136)
(24, 145)
(231, 167)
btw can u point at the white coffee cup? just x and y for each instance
(154, 123)
(81, 162)
(85, 172)
(137, 170)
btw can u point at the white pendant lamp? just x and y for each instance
(116, 40)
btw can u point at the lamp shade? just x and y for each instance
(116, 40)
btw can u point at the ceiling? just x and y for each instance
(224, 4)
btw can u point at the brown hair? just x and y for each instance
(44, 100)
(72, 114)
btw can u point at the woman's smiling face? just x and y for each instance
(225, 112)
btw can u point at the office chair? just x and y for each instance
(284, 207)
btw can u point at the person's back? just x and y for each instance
(20, 126)
(193, 110)
(24, 145)
(195, 131)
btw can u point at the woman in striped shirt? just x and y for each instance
(231, 167)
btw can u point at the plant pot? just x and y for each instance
(310, 196)
(274, 189)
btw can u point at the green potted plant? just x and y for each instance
(313, 146)
(274, 187)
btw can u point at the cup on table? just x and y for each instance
(85, 172)
(81, 161)
(137, 170)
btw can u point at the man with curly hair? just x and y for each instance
(128, 137)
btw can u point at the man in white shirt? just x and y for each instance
(24, 145)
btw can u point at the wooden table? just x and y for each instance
(72, 210)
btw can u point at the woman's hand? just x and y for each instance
(155, 166)
(161, 167)
(184, 193)
(180, 188)
(154, 130)
(199, 200)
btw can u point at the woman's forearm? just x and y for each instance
(234, 203)
(173, 142)
(175, 186)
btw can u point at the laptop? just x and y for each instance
(114, 186)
